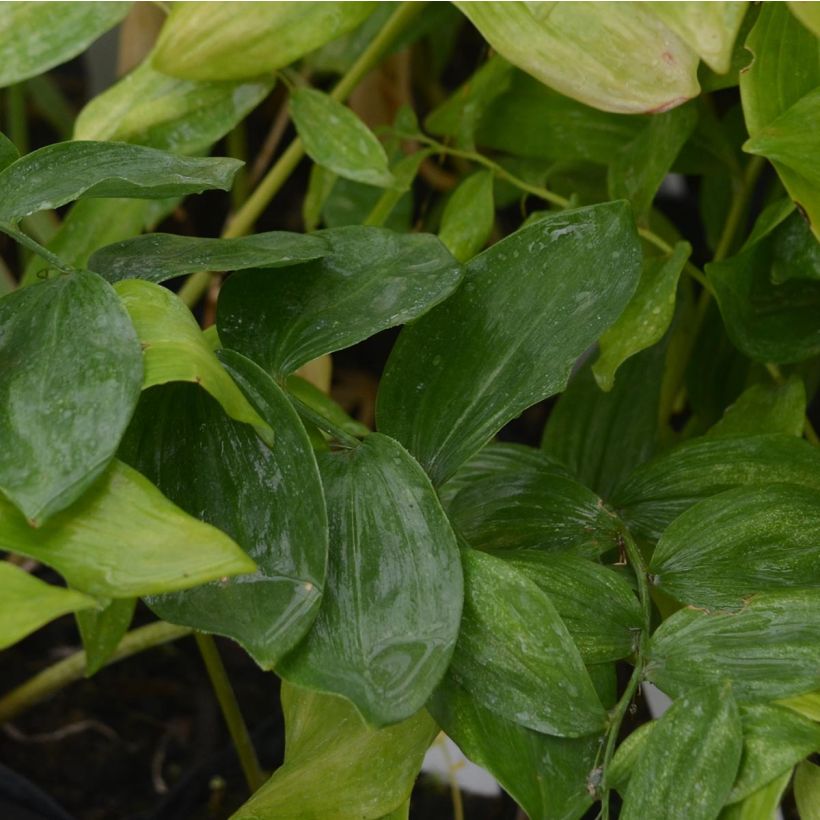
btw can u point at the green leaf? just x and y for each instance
(507, 498)
(647, 316)
(308, 394)
(735, 544)
(336, 767)
(153, 109)
(760, 805)
(596, 605)
(160, 549)
(390, 614)
(765, 408)
(72, 374)
(807, 705)
(689, 762)
(27, 603)
(768, 649)
(35, 37)
(161, 256)
(268, 499)
(796, 253)
(371, 280)
(602, 437)
(456, 376)
(337, 139)
(8, 152)
(102, 630)
(545, 775)
(200, 41)
(616, 58)
(658, 492)
(626, 756)
(808, 14)
(807, 790)
(175, 350)
(469, 216)
(515, 656)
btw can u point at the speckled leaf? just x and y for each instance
(372, 279)
(70, 375)
(268, 499)
(690, 759)
(176, 351)
(390, 614)
(65, 171)
(27, 603)
(528, 308)
(161, 548)
(469, 216)
(515, 656)
(807, 790)
(160, 256)
(336, 767)
(102, 630)
(747, 540)
(659, 491)
(35, 37)
(768, 649)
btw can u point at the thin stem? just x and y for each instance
(695, 272)
(72, 668)
(230, 711)
(33, 245)
(739, 208)
(16, 117)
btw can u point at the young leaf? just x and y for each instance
(200, 41)
(175, 349)
(459, 374)
(390, 614)
(372, 279)
(336, 767)
(161, 256)
(65, 171)
(689, 762)
(647, 316)
(767, 650)
(469, 216)
(807, 705)
(35, 37)
(27, 603)
(102, 630)
(807, 790)
(337, 139)
(515, 656)
(71, 374)
(658, 492)
(546, 775)
(268, 499)
(160, 549)
(761, 804)
(735, 544)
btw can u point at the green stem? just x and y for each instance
(16, 117)
(55, 677)
(739, 208)
(230, 711)
(33, 245)
(336, 432)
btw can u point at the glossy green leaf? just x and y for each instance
(27, 603)
(371, 280)
(175, 350)
(546, 775)
(161, 256)
(456, 376)
(390, 614)
(751, 539)
(647, 316)
(153, 109)
(768, 649)
(796, 253)
(770, 217)
(71, 374)
(765, 408)
(515, 656)
(161, 548)
(102, 630)
(520, 500)
(469, 216)
(658, 492)
(65, 171)
(615, 57)
(597, 605)
(268, 499)
(337, 139)
(201, 41)
(761, 804)
(8, 152)
(35, 37)
(807, 790)
(602, 437)
(690, 759)
(336, 767)
(308, 394)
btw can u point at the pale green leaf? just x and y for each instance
(469, 216)
(807, 790)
